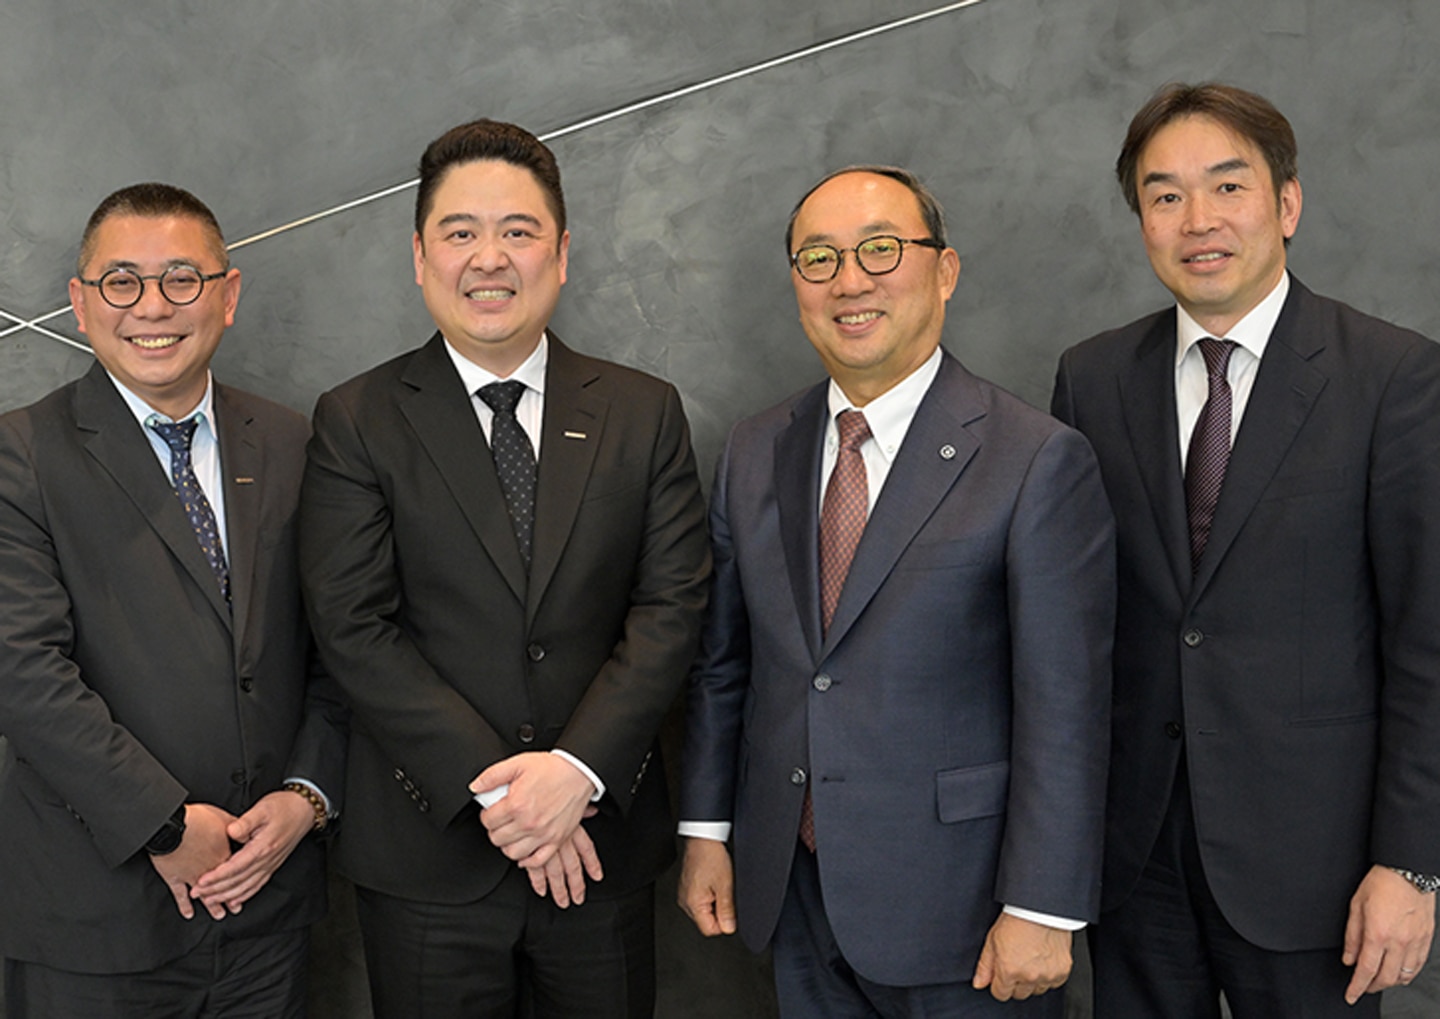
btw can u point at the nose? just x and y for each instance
(1199, 215)
(490, 255)
(152, 303)
(851, 279)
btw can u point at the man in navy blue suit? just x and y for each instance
(900, 712)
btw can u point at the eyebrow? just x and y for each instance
(1219, 169)
(469, 217)
(879, 228)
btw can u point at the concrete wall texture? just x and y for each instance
(1012, 110)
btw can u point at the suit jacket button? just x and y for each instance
(535, 652)
(526, 733)
(822, 682)
(1193, 638)
(247, 683)
(1173, 730)
(238, 776)
(797, 777)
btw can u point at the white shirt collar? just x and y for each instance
(531, 372)
(204, 410)
(1252, 332)
(889, 414)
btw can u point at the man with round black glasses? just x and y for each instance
(169, 747)
(900, 710)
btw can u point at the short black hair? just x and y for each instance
(152, 200)
(488, 139)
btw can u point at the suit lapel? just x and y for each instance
(1286, 388)
(936, 450)
(118, 445)
(242, 473)
(797, 498)
(571, 433)
(1147, 396)
(439, 410)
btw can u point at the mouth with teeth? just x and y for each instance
(858, 318)
(1207, 258)
(154, 342)
(497, 294)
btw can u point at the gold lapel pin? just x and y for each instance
(575, 435)
(244, 481)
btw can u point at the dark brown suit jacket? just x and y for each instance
(128, 687)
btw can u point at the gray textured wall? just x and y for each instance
(1012, 109)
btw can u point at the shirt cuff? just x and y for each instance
(717, 831)
(329, 809)
(594, 778)
(1060, 923)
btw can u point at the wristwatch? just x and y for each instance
(1423, 882)
(168, 838)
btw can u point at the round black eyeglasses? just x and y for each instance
(179, 284)
(819, 263)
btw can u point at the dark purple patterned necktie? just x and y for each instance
(514, 461)
(1209, 452)
(842, 521)
(178, 436)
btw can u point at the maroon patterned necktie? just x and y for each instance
(842, 520)
(1209, 452)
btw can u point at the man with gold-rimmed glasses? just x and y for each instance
(900, 710)
(168, 751)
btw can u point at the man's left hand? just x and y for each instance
(1022, 958)
(269, 832)
(1387, 938)
(547, 798)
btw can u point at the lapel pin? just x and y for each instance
(244, 481)
(947, 452)
(574, 435)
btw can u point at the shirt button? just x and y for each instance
(822, 682)
(526, 733)
(1173, 730)
(247, 683)
(797, 777)
(535, 652)
(1193, 638)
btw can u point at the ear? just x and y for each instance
(77, 303)
(419, 246)
(564, 254)
(231, 283)
(1291, 200)
(948, 266)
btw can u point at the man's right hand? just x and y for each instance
(707, 886)
(205, 846)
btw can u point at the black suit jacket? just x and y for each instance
(1298, 673)
(451, 658)
(128, 685)
(951, 724)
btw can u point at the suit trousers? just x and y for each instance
(256, 977)
(813, 980)
(1167, 951)
(483, 959)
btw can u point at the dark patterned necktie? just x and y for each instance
(514, 461)
(178, 437)
(1209, 452)
(842, 521)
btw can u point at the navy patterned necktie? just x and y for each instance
(1209, 452)
(178, 437)
(514, 461)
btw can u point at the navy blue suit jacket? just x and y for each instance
(952, 724)
(1298, 672)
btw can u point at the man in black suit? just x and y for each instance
(505, 633)
(163, 744)
(1274, 811)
